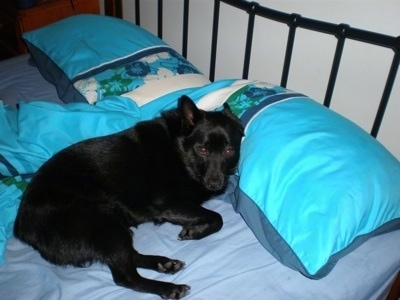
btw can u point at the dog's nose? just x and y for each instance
(214, 183)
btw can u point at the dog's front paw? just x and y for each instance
(177, 292)
(185, 234)
(193, 232)
(171, 266)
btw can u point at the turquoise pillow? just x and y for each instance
(313, 185)
(80, 46)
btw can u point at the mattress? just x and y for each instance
(230, 264)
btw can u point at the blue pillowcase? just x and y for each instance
(82, 45)
(313, 186)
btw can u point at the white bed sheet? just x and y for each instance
(230, 264)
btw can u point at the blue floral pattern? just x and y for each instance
(251, 95)
(129, 76)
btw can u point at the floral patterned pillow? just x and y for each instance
(127, 77)
(88, 67)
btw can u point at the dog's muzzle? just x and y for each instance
(215, 182)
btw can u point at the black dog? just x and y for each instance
(80, 205)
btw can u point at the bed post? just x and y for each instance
(137, 12)
(388, 88)
(394, 293)
(160, 19)
(214, 39)
(341, 36)
(249, 39)
(289, 48)
(113, 8)
(185, 28)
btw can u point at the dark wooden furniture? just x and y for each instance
(14, 21)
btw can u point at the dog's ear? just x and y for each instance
(228, 112)
(190, 113)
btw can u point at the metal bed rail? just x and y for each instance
(341, 32)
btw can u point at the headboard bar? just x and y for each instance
(289, 50)
(137, 12)
(249, 41)
(341, 38)
(185, 33)
(160, 19)
(341, 32)
(386, 93)
(214, 40)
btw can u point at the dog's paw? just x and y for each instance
(177, 292)
(186, 234)
(193, 233)
(171, 266)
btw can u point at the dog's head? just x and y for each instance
(210, 144)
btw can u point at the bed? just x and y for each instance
(312, 213)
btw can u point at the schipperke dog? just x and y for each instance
(80, 205)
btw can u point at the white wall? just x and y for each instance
(362, 75)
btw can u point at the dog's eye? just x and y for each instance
(201, 150)
(228, 152)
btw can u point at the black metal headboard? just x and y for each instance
(341, 32)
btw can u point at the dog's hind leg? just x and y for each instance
(127, 276)
(123, 261)
(197, 222)
(158, 263)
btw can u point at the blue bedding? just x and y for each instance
(288, 137)
(23, 150)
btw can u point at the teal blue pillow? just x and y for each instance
(80, 46)
(313, 186)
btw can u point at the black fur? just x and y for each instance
(80, 205)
